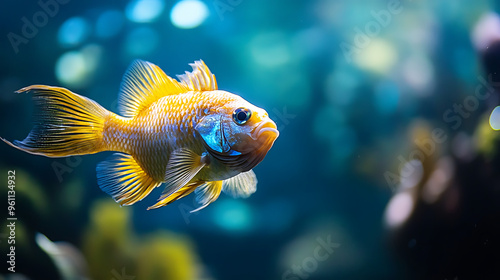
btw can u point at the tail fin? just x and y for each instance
(65, 124)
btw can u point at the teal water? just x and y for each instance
(386, 166)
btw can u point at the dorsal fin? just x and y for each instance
(143, 84)
(201, 79)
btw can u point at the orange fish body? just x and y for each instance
(189, 135)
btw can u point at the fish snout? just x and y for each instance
(265, 131)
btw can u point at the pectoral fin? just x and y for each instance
(183, 165)
(241, 185)
(121, 177)
(207, 193)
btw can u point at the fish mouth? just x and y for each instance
(267, 129)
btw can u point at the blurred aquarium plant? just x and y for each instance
(111, 246)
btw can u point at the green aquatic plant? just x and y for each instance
(486, 139)
(112, 248)
(107, 243)
(164, 255)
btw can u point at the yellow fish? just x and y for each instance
(186, 134)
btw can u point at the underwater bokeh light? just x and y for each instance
(188, 14)
(142, 11)
(386, 167)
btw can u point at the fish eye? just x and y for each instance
(241, 115)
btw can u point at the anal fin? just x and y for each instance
(122, 177)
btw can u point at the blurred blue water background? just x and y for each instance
(354, 86)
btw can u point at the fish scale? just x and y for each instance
(157, 131)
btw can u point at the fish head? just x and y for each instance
(238, 133)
